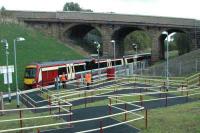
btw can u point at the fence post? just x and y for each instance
(20, 121)
(125, 115)
(101, 126)
(146, 119)
(187, 96)
(85, 100)
(49, 105)
(141, 100)
(110, 109)
(38, 130)
(165, 99)
(59, 107)
(70, 116)
(199, 79)
(1, 103)
(182, 88)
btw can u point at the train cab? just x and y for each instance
(43, 74)
(30, 76)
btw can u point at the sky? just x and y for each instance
(170, 8)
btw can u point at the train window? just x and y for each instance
(103, 64)
(87, 65)
(61, 70)
(30, 73)
(79, 68)
(91, 65)
(95, 66)
(118, 62)
(130, 60)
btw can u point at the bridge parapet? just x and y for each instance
(110, 18)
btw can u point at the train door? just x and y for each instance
(40, 77)
(73, 71)
(109, 63)
(70, 71)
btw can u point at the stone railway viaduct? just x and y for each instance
(66, 25)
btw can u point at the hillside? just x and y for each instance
(179, 66)
(37, 47)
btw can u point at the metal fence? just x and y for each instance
(180, 68)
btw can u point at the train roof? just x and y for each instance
(139, 55)
(52, 63)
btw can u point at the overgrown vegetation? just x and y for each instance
(71, 6)
(183, 43)
(138, 37)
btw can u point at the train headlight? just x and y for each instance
(34, 82)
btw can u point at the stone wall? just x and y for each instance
(57, 23)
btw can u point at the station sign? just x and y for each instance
(3, 70)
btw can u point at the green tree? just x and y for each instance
(3, 9)
(71, 6)
(183, 42)
(3, 12)
(139, 37)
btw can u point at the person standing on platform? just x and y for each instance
(88, 79)
(63, 80)
(57, 83)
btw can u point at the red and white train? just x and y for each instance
(44, 73)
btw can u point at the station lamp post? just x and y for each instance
(5, 43)
(135, 46)
(19, 39)
(167, 64)
(113, 42)
(98, 48)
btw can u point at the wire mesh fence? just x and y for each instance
(179, 68)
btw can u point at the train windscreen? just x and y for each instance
(30, 73)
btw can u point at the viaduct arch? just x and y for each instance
(68, 25)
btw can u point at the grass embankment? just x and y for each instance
(183, 118)
(36, 48)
